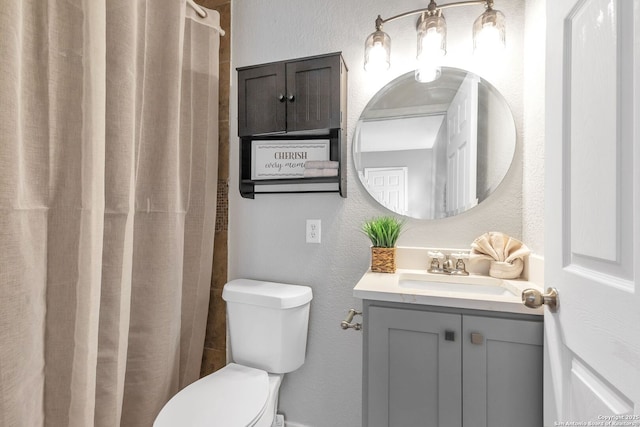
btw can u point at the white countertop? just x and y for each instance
(386, 287)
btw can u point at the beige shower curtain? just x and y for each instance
(108, 168)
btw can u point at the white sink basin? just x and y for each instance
(478, 285)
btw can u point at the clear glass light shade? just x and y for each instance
(489, 32)
(377, 50)
(432, 38)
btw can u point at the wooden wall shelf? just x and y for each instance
(293, 101)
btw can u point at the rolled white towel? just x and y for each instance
(321, 164)
(505, 254)
(310, 173)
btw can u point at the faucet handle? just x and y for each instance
(460, 255)
(460, 268)
(434, 266)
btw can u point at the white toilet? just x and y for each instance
(268, 332)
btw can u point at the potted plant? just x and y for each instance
(383, 232)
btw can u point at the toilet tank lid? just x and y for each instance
(266, 294)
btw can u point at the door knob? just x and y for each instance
(281, 97)
(292, 98)
(533, 298)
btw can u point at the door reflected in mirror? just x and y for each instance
(434, 150)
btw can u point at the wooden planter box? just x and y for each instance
(383, 260)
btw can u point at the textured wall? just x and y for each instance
(533, 153)
(266, 235)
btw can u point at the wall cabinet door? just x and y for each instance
(447, 369)
(313, 94)
(413, 371)
(262, 99)
(301, 95)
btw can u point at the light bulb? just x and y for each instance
(431, 45)
(489, 40)
(377, 59)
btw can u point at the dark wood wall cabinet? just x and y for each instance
(292, 103)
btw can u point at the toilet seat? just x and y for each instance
(235, 395)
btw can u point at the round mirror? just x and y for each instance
(434, 150)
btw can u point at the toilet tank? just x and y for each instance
(268, 323)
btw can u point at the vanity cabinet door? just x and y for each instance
(451, 368)
(502, 372)
(412, 376)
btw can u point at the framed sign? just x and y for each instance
(284, 159)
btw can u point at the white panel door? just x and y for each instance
(462, 148)
(389, 187)
(592, 212)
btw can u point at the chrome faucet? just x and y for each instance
(448, 265)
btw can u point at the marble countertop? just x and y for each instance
(387, 287)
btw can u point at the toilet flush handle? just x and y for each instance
(347, 322)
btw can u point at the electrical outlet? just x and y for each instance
(313, 231)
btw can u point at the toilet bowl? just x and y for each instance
(268, 325)
(236, 395)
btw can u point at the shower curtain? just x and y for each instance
(108, 170)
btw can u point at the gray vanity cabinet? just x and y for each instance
(301, 95)
(501, 371)
(413, 372)
(440, 367)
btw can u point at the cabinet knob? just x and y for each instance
(292, 98)
(281, 97)
(477, 338)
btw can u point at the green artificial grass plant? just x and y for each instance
(383, 231)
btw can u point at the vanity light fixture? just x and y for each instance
(488, 36)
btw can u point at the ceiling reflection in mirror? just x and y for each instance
(434, 150)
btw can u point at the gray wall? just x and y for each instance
(267, 235)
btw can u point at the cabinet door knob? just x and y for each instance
(477, 338)
(292, 98)
(281, 97)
